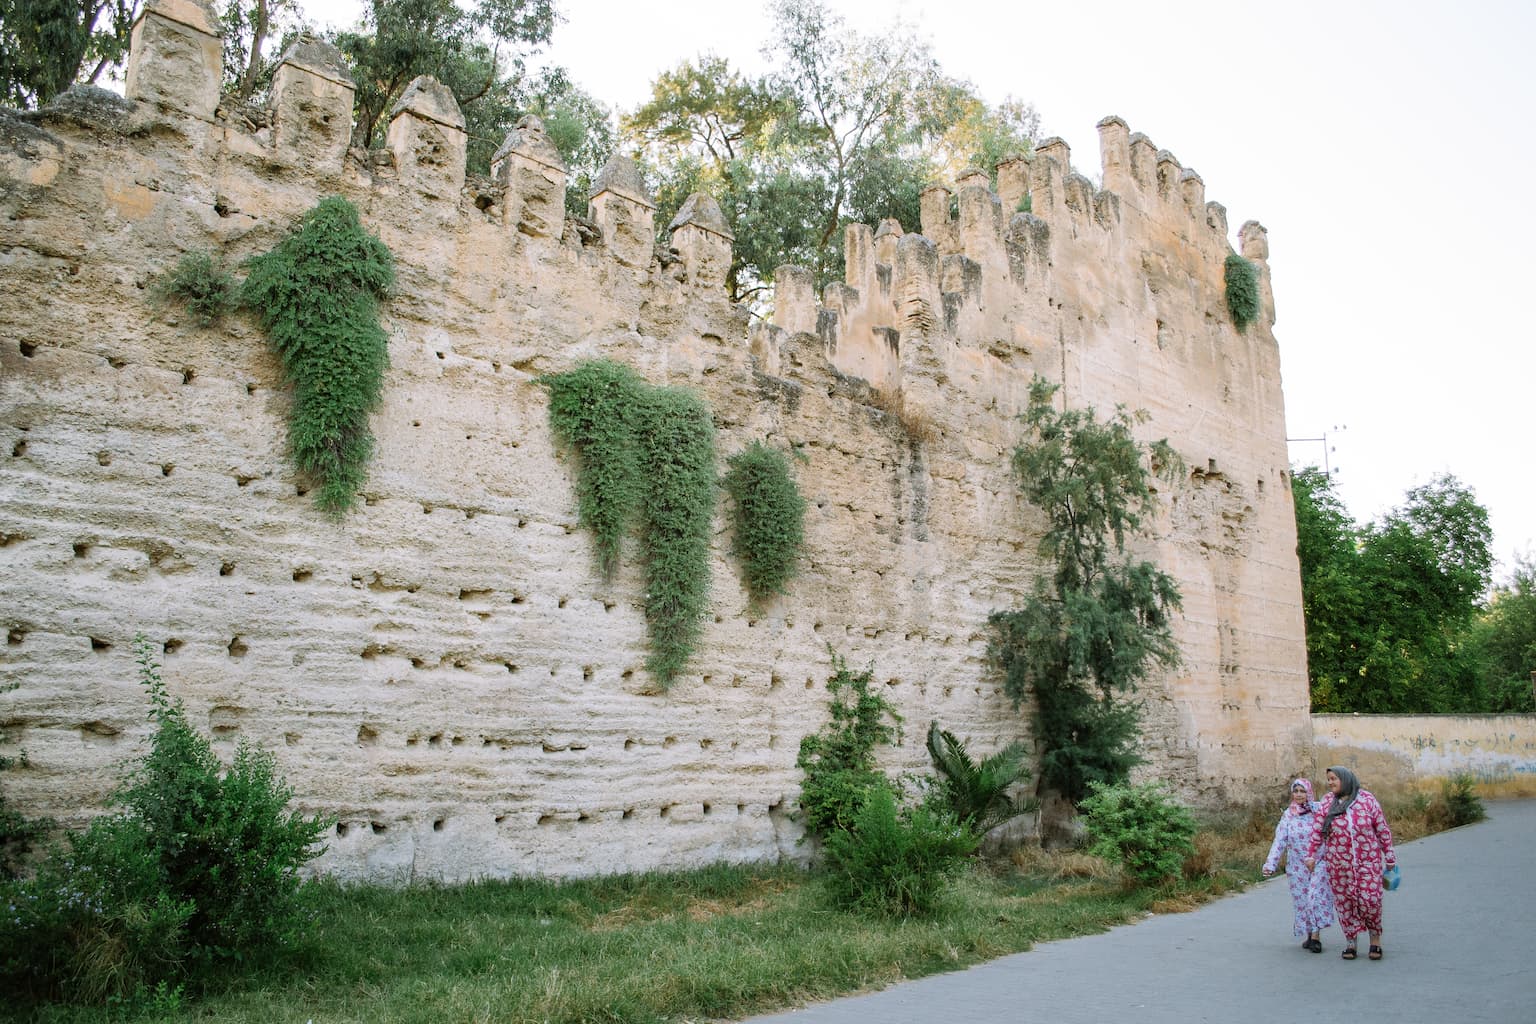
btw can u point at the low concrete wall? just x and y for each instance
(1419, 751)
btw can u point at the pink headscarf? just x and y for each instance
(1310, 805)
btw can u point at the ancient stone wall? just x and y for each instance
(443, 670)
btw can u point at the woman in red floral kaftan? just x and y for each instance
(1356, 843)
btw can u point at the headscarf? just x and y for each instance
(1349, 788)
(1310, 804)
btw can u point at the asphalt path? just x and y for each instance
(1457, 937)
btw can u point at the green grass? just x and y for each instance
(722, 942)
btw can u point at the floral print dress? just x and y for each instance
(1310, 893)
(1356, 853)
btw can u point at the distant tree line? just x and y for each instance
(1402, 615)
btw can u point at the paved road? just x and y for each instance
(1457, 940)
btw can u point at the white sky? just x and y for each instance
(1381, 142)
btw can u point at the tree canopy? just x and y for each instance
(1388, 606)
(48, 45)
(845, 127)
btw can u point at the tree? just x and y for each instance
(1098, 626)
(47, 45)
(476, 52)
(1388, 606)
(845, 128)
(1503, 640)
(250, 26)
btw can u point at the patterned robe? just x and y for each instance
(1310, 893)
(1356, 853)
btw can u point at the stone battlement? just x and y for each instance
(444, 671)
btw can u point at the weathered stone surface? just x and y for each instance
(443, 670)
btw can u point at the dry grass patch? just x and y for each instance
(1063, 864)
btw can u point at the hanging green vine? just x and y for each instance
(647, 454)
(317, 294)
(769, 519)
(1242, 291)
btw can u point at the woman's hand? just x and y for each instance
(1267, 870)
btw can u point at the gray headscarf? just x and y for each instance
(1349, 788)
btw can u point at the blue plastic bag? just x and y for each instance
(1391, 878)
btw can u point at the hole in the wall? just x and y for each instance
(103, 458)
(302, 575)
(810, 684)
(893, 682)
(718, 620)
(709, 809)
(500, 818)
(736, 681)
(188, 375)
(412, 741)
(301, 490)
(238, 648)
(18, 449)
(243, 479)
(741, 808)
(458, 741)
(522, 522)
(705, 744)
(166, 467)
(511, 668)
(415, 423)
(291, 739)
(495, 367)
(250, 387)
(171, 646)
(773, 742)
(670, 741)
(437, 826)
(342, 828)
(1260, 482)
(708, 680)
(545, 819)
(418, 662)
(367, 735)
(98, 644)
(227, 569)
(28, 349)
(15, 635)
(774, 682)
(440, 355)
(81, 548)
(379, 828)
(221, 207)
(627, 674)
(629, 744)
(586, 673)
(561, 602)
(116, 362)
(435, 740)
(629, 812)
(608, 606)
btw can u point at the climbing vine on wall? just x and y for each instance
(647, 457)
(769, 519)
(317, 294)
(1242, 291)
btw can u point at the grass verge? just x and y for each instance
(718, 943)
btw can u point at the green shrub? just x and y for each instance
(769, 519)
(839, 761)
(1242, 291)
(201, 285)
(317, 293)
(1462, 804)
(646, 453)
(896, 860)
(1140, 826)
(975, 792)
(200, 869)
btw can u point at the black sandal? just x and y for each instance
(1375, 953)
(1349, 953)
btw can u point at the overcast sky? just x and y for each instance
(1385, 145)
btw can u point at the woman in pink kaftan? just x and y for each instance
(1352, 834)
(1310, 893)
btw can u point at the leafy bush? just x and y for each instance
(975, 792)
(1242, 279)
(199, 869)
(646, 453)
(317, 293)
(896, 860)
(839, 761)
(1140, 826)
(201, 285)
(769, 519)
(1462, 804)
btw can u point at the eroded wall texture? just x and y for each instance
(442, 670)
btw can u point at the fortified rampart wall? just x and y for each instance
(443, 670)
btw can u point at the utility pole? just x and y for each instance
(1328, 469)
